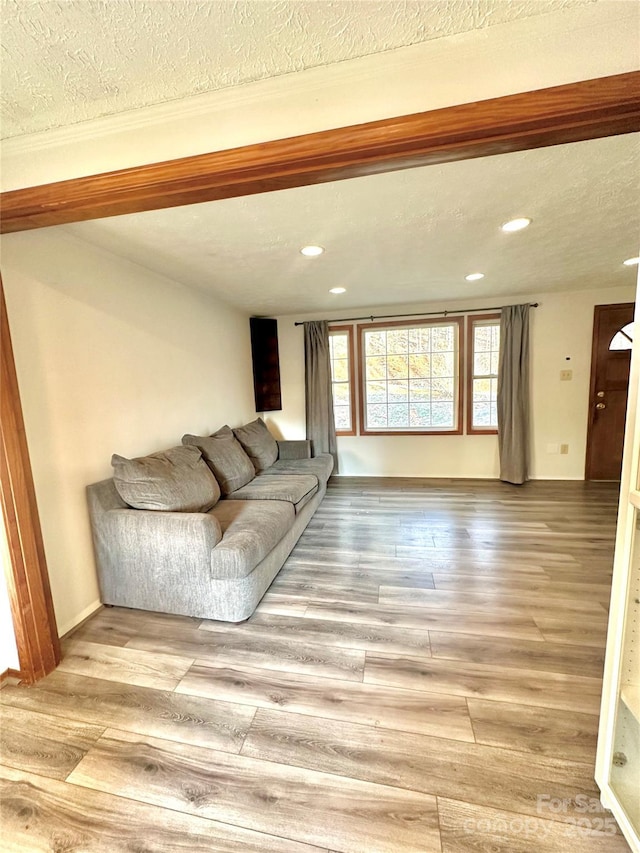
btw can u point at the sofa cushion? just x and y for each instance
(295, 488)
(258, 443)
(320, 466)
(250, 530)
(223, 453)
(176, 480)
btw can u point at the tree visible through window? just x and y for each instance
(341, 356)
(411, 377)
(484, 355)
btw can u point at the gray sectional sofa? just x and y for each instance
(203, 529)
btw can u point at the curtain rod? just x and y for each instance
(417, 314)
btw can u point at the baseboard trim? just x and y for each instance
(10, 673)
(81, 618)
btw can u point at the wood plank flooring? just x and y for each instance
(423, 676)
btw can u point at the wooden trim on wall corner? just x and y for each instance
(27, 577)
(11, 673)
(605, 106)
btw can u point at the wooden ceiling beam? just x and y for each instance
(588, 109)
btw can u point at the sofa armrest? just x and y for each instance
(294, 449)
(161, 529)
(181, 542)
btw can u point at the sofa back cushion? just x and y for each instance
(258, 443)
(226, 458)
(176, 480)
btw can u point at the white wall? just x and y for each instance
(110, 358)
(561, 327)
(573, 44)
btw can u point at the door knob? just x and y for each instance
(601, 405)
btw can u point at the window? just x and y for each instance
(623, 339)
(342, 384)
(410, 377)
(482, 374)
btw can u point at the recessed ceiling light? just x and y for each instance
(474, 276)
(338, 290)
(311, 251)
(516, 224)
(631, 262)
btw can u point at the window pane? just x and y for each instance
(397, 366)
(398, 415)
(397, 341)
(419, 366)
(411, 377)
(415, 340)
(482, 364)
(482, 414)
(442, 415)
(442, 364)
(623, 339)
(442, 338)
(482, 389)
(342, 415)
(420, 415)
(442, 389)
(376, 392)
(340, 353)
(420, 390)
(481, 338)
(376, 416)
(485, 359)
(377, 368)
(340, 370)
(398, 391)
(375, 343)
(340, 394)
(339, 345)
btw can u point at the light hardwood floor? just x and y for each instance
(423, 675)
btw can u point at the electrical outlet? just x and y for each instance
(566, 375)
(564, 449)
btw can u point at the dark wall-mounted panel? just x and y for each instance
(266, 364)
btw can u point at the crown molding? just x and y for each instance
(441, 64)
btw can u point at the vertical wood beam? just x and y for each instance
(27, 576)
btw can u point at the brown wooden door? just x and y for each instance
(608, 395)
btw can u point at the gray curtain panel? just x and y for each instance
(513, 394)
(321, 427)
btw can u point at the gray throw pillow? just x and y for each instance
(176, 480)
(226, 458)
(259, 445)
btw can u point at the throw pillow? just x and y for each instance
(226, 458)
(259, 445)
(175, 480)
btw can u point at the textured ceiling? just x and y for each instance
(66, 61)
(404, 237)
